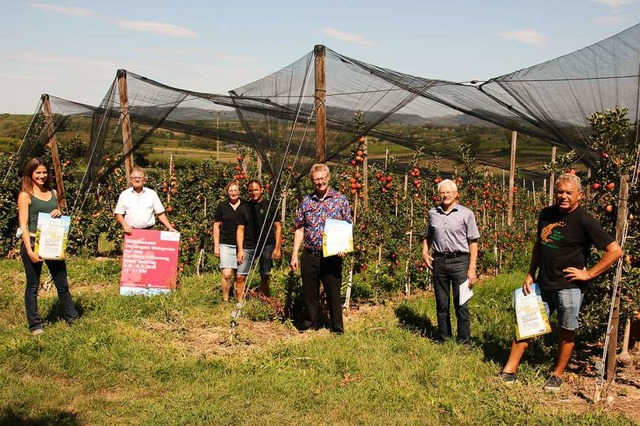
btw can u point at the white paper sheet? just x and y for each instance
(465, 292)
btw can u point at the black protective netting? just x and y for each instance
(37, 137)
(276, 114)
(149, 104)
(559, 94)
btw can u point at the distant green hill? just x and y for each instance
(489, 144)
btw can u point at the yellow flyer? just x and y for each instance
(51, 236)
(531, 316)
(337, 237)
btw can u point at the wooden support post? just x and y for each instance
(512, 177)
(170, 176)
(533, 194)
(320, 103)
(347, 299)
(624, 356)
(283, 207)
(621, 225)
(259, 167)
(552, 176)
(55, 155)
(125, 122)
(406, 269)
(386, 159)
(365, 176)
(218, 136)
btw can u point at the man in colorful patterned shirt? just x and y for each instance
(325, 203)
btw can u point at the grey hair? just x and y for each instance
(319, 167)
(448, 181)
(570, 177)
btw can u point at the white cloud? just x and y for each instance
(617, 3)
(345, 36)
(611, 20)
(157, 28)
(76, 11)
(524, 36)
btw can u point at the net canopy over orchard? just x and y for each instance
(550, 101)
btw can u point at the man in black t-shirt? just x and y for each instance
(259, 235)
(566, 233)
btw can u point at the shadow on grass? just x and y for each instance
(293, 302)
(416, 322)
(496, 347)
(55, 311)
(62, 418)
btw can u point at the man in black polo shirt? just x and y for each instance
(566, 233)
(450, 249)
(259, 235)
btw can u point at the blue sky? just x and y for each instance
(72, 48)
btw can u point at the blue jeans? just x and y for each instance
(58, 270)
(448, 274)
(567, 302)
(266, 261)
(228, 258)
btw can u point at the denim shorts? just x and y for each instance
(228, 259)
(266, 261)
(567, 302)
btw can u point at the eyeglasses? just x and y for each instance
(136, 178)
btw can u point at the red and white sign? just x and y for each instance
(149, 262)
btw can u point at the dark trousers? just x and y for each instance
(448, 274)
(58, 270)
(314, 269)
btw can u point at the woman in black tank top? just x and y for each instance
(36, 196)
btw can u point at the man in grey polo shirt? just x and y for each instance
(450, 249)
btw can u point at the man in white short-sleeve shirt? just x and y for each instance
(138, 205)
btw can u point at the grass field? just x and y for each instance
(174, 360)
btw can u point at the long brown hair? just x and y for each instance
(27, 182)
